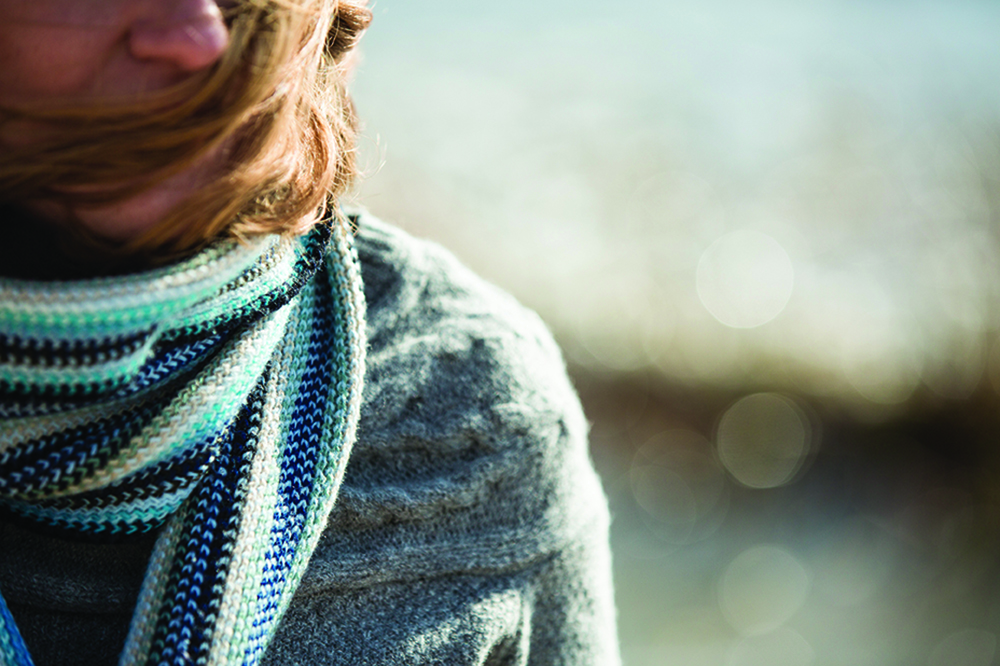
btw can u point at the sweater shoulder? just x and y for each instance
(436, 331)
(471, 449)
(411, 282)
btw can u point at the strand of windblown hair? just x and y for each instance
(219, 399)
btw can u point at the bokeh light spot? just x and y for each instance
(679, 485)
(763, 440)
(783, 647)
(855, 562)
(968, 647)
(745, 279)
(664, 495)
(761, 589)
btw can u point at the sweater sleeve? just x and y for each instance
(471, 528)
(557, 611)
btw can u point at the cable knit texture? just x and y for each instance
(470, 528)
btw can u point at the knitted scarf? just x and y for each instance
(215, 400)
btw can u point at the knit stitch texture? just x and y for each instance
(216, 400)
(470, 528)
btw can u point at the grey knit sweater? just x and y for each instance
(470, 527)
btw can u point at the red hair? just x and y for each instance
(278, 102)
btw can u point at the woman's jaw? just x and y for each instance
(127, 219)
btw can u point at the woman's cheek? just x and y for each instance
(43, 69)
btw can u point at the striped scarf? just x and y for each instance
(215, 400)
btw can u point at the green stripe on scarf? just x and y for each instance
(215, 400)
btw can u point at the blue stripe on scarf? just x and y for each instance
(298, 468)
(59, 459)
(213, 526)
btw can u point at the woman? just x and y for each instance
(193, 345)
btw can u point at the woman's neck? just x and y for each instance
(34, 248)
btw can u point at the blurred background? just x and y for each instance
(767, 236)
